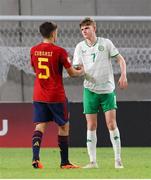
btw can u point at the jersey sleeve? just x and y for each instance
(65, 60)
(77, 57)
(113, 51)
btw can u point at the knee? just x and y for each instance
(92, 126)
(64, 130)
(111, 125)
(41, 127)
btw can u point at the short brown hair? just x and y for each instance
(47, 28)
(87, 21)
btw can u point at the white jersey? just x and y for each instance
(99, 77)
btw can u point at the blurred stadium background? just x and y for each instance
(132, 37)
(126, 23)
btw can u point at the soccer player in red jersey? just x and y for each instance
(49, 99)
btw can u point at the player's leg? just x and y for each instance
(109, 107)
(91, 140)
(63, 142)
(91, 105)
(114, 136)
(36, 144)
(41, 119)
(61, 117)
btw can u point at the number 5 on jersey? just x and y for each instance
(44, 67)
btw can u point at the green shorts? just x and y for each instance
(92, 101)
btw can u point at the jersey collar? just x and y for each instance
(92, 44)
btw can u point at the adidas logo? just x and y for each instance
(36, 143)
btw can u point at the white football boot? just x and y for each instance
(91, 165)
(118, 164)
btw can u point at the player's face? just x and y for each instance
(88, 31)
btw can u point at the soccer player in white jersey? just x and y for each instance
(95, 54)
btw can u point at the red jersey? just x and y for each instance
(48, 61)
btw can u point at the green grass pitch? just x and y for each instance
(16, 163)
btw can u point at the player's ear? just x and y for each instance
(94, 28)
(54, 34)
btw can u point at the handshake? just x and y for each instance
(78, 67)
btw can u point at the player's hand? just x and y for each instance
(122, 83)
(78, 67)
(73, 72)
(81, 70)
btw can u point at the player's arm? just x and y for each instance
(123, 78)
(75, 71)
